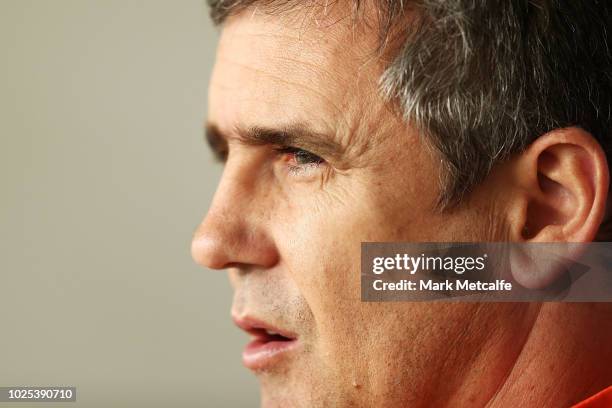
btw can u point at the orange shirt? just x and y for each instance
(602, 399)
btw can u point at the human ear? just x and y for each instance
(560, 194)
(562, 180)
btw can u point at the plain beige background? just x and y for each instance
(104, 175)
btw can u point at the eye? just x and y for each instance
(299, 157)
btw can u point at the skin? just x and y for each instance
(289, 234)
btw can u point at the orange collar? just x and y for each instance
(602, 399)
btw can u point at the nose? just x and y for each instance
(235, 231)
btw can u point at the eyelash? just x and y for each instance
(310, 159)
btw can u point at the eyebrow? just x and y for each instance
(295, 135)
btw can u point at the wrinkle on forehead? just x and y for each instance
(324, 75)
(333, 53)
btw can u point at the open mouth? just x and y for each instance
(265, 335)
(267, 345)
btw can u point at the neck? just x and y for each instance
(565, 358)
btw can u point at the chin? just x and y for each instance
(282, 396)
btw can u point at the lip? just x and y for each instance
(265, 350)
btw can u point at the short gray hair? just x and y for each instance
(484, 78)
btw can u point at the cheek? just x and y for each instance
(319, 238)
(319, 234)
(319, 250)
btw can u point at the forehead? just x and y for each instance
(294, 68)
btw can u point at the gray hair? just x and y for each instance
(484, 78)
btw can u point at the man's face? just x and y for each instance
(317, 164)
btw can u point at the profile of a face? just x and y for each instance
(317, 162)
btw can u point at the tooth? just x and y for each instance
(271, 333)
